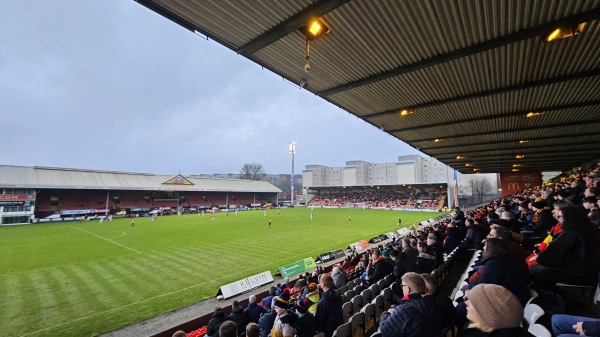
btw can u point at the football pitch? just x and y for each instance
(84, 279)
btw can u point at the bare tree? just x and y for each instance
(252, 171)
(479, 186)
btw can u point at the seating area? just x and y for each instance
(384, 198)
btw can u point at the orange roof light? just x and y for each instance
(523, 141)
(515, 170)
(516, 165)
(534, 114)
(564, 32)
(468, 165)
(438, 140)
(314, 29)
(520, 156)
(460, 157)
(406, 112)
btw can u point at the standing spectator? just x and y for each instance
(329, 313)
(238, 316)
(254, 311)
(212, 328)
(494, 311)
(417, 315)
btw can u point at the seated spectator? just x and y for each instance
(542, 220)
(305, 324)
(458, 216)
(517, 252)
(285, 320)
(570, 256)
(453, 238)
(498, 268)
(589, 203)
(265, 322)
(228, 329)
(410, 250)
(493, 311)
(426, 262)
(212, 328)
(400, 263)
(475, 234)
(329, 313)
(238, 316)
(179, 333)
(570, 326)
(417, 315)
(254, 311)
(339, 280)
(445, 303)
(378, 269)
(435, 244)
(252, 330)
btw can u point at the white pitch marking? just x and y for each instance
(103, 238)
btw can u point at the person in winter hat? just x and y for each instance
(494, 311)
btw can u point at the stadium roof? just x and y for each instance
(469, 70)
(64, 178)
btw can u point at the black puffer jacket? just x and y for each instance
(212, 328)
(238, 316)
(306, 326)
(418, 316)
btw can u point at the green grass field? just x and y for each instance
(84, 279)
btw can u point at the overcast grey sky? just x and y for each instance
(111, 85)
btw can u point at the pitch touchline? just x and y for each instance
(103, 238)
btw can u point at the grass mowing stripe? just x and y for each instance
(66, 289)
(119, 282)
(89, 279)
(11, 301)
(47, 298)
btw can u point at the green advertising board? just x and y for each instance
(297, 267)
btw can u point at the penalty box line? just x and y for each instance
(109, 240)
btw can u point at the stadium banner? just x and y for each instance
(513, 182)
(17, 197)
(297, 267)
(15, 203)
(77, 211)
(360, 245)
(245, 285)
(331, 256)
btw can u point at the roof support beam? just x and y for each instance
(502, 115)
(470, 50)
(534, 157)
(464, 135)
(521, 86)
(577, 135)
(522, 149)
(290, 25)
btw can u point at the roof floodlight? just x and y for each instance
(566, 31)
